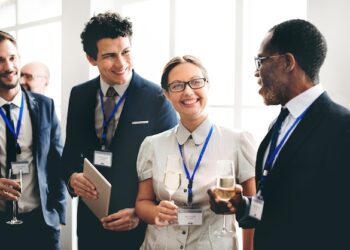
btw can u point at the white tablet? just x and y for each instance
(100, 206)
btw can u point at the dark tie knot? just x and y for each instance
(283, 114)
(111, 93)
(7, 108)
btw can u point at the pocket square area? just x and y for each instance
(139, 122)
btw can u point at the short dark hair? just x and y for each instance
(179, 60)
(302, 39)
(104, 25)
(6, 36)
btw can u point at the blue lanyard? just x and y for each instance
(19, 123)
(107, 120)
(191, 177)
(271, 157)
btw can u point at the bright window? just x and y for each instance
(225, 35)
(37, 28)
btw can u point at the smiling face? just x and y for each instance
(9, 66)
(189, 103)
(114, 60)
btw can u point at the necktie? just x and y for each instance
(10, 150)
(276, 129)
(10, 140)
(109, 105)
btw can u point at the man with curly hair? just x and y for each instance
(108, 118)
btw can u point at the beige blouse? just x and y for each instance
(225, 144)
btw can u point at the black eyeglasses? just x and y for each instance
(178, 86)
(260, 59)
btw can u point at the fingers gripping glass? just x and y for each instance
(225, 183)
(260, 59)
(178, 86)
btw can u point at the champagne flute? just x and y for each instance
(172, 182)
(172, 177)
(18, 179)
(225, 183)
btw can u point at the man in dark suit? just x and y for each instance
(303, 176)
(111, 137)
(30, 142)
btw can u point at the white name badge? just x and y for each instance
(190, 216)
(103, 158)
(20, 165)
(256, 207)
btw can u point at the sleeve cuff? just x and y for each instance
(243, 218)
(70, 189)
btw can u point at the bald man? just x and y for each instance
(35, 77)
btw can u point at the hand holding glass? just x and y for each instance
(18, 179)
(225, 189)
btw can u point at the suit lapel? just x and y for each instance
(130, 106)
(260, 155)
(298, 137)
(33, 108)
(294, 143)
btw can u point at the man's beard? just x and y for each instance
(6, 85)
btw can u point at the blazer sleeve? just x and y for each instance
(71, 159)
(166, 118)
(58, 191)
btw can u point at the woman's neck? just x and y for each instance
(192, 124)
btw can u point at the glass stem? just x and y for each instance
(14, 210)
(224, 224)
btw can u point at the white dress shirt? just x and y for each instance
(98, 110)
(29, 199)
(296, 107)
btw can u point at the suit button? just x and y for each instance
(181, 247)
(183, 232)
(185, 190)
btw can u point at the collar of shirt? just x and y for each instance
(120, 88)
(198, 136)
(300, 103)
(16, 101)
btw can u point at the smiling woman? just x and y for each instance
(194, 145)
(225, 34)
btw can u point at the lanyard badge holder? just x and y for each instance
(191, 215)
(17, 165)
(257, 202)
(104, 157)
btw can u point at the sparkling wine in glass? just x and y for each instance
(172, 182)
(225, 190)
(18, 179)
(172, 177)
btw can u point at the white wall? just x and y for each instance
(75, 69)
(332, 18)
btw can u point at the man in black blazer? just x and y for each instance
(30, 140)
(302, 182)
(111, 139)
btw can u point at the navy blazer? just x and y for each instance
(305, 189)
(47, 149)
(145, 102)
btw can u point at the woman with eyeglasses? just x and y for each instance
(176, 167)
